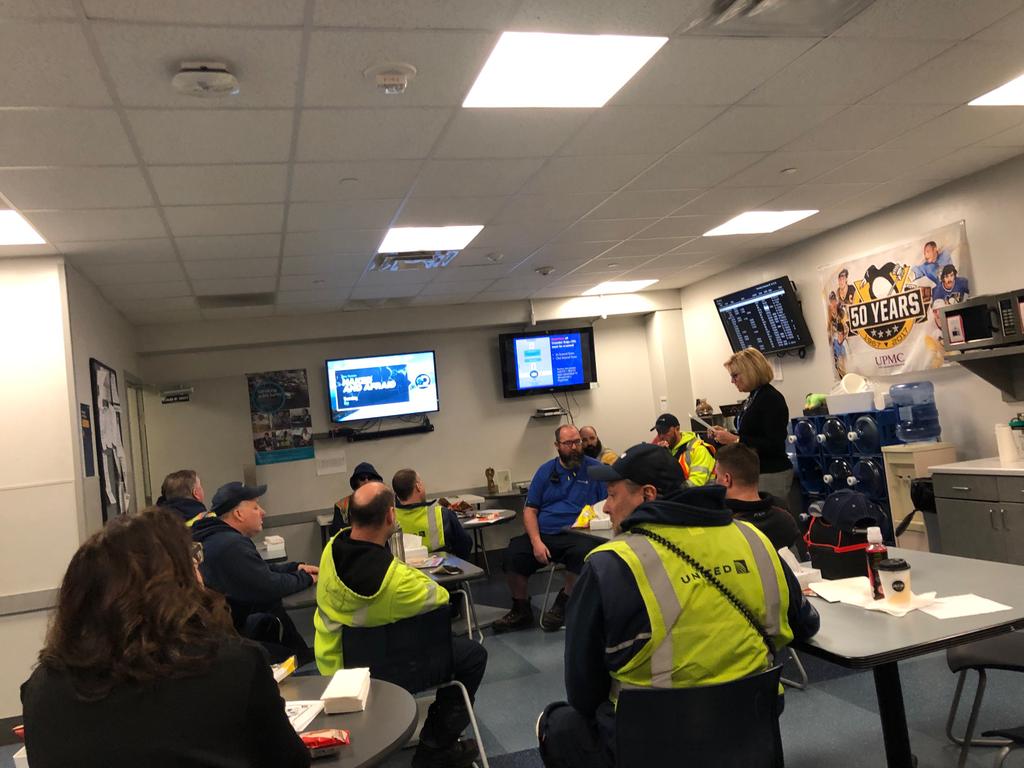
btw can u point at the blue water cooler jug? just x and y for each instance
(918, 416)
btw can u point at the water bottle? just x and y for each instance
(918, 417)
(397, 544)
(875, 552)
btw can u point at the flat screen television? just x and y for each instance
(766, 317)
(381, 386)
(541, 362)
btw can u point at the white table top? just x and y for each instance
(988, 466)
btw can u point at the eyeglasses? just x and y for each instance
(571, 443)
(197, 552)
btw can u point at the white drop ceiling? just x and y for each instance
(288, 188)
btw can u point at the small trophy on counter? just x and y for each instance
(704, 408)
(492, 487)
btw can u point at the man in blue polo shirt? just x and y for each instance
(560, 489)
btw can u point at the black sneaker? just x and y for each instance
(460, 754)
(554, 618)
(520, 617)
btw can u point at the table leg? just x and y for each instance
(481, 553)
(893, 716)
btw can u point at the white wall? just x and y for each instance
(99, 331)
(40, 511)
(990, 202)
(475, 428)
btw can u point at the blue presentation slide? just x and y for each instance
(378, 387)
(549, 361)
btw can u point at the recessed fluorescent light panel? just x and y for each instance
(408, 239)
(758, 222)
(618, 286)
(14, 230)
(540, 69)
(1010, 94)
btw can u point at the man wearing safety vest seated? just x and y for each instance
(650, 607)
(436, 525)
(183, 492)
(362, 585)
(693, 454)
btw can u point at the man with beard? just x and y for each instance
(560, 489)
(593, 447)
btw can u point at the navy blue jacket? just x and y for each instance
(186, 506)
(607, 611)
(232, 566)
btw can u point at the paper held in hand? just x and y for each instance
(347, 691)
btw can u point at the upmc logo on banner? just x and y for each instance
(882, 310)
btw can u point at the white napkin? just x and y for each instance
(857, 591)
(956, 606)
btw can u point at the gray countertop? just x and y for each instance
(989, 466)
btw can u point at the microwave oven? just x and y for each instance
(984, 322)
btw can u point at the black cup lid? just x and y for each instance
(893, 564)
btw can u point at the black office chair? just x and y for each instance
(731, 725)
(1001, 652)
(414, 653)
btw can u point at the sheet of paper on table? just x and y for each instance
(302, 713)
(857, 591)
(957, 606)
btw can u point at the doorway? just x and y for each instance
(142, 491)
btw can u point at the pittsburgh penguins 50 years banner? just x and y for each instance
(882, 309)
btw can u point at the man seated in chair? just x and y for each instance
(643, 616)
(362, 585)
(738, 471)
(436, 524)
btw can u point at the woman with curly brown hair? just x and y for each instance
(142, 665)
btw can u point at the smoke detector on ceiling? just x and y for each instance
(205, 80)
(391, 79)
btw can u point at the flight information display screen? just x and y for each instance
(766, 317)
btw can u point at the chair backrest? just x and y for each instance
(414, 653)
(732, 725)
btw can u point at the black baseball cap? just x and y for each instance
(230, 495)
(665, 422)
(644, 464)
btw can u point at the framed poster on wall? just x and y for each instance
(110, 454)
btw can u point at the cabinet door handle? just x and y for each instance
(1002, 513)
(992, 519)
(964, 488)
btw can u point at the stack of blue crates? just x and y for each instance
(843, 450)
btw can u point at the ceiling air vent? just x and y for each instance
(397, 262)
(777, 18)
(236, 300)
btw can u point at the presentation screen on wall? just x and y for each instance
(547, 361)
(378, 387)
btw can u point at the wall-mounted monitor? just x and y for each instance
(766, 317)
(541, 362)
(382, 386)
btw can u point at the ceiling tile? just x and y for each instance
(58, 136)
(308, 308)
(168, 304)
(212, 269)
(224, 219)
(730, 200)
(882, 165)
(235, 286)
(33, 188)
(445, 211)
(336, 284)
(672, 262)
(237, 313)
(369, 134)
(486, 256)
(353, 180)
(447, 63)
(121, 295)
(118, 251)
(582, 174)
(160, 318)
(1010, 29)
(33, 9)
(843, 71)
(463, 288)
(805, 166)
(350, 214)
(509, 132)
(344, 267)
(963, 162)
(364, 292)
(888, 194)
(101, 224)
(234, 12)
(571, 251)
(221, 136)
(684, 226)
(229, 247)
(644, 204)
(333, 241)
(455, 273)
(330, 297)
(446, 299)
(865, 126)
(960, 127)
(817, 196)
(760, 129)
(503, 294)
(528, 209)
(604, 229)
(1011, 138)
(681, 170)
(414, 14)
(513, 238)
(128, 274)
(43, 249)
(646, 247)
(418, 277)
(48, 64)
(142, 60)
(626, 130)
(926, 19)
(219, 184)
(652, 17)
(709, 70)
(467, 178)
(964, 72)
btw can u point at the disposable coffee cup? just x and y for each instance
(895, 576)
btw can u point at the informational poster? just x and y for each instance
(883, 309)
(282, 428)
(110, 453)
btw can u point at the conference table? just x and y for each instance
(860, 639)
(375, 733)
(476, 525)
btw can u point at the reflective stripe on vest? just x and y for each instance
(197, 518)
